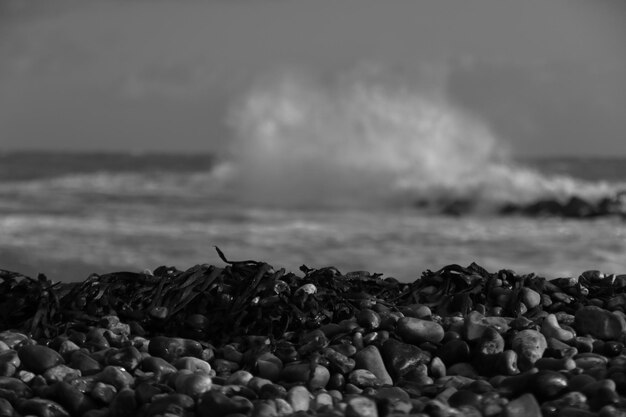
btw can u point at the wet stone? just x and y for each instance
(216, 404)
(524, 406)
(370, 358)
(60, 373)
(529, 346)
(38, 358)
(416, 331)
(400, 358)
(598, 322)
(42, 407)
(363, 378)
(361, 407)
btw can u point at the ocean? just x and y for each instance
(72, 214)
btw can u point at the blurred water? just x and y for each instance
(102, 213)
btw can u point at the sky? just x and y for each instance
(546, 77)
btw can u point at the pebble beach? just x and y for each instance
(250, 340)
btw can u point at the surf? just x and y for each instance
(301, 141)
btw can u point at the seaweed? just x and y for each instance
(252, 298)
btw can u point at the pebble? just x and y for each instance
(416, 331)
(216, 404)
(299, 398)
(524, 406)
(529, 346)
(400, 358)
(370, 358)
(60, 373)
(550, 328)
(38, 358)
(361, 407)
(413, 360)
(598, 322)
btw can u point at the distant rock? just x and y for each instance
(576, 207)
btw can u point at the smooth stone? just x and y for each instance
(10, 358)
(264, 408)
(524, 406)
(370, 358)
(590, 360)
(437, 368)
(60, 373)
(81, 360)
(463, 369)
(530, 297)
(194, 384)
(66, 349)
(116, 376)
(299, 398)
(464, 398)
(345, 349)
(240, 377)
(6, 409)
(315, 378)
(454, 351)
(599, 323)
(363, 378)
(415, 331)
(172, 348)
(124, 404)
(231, 353)
(13, 388)
(283, 408)
(400, 358)
(476, 323)
(551, 328)
(322, 401)
(42, 408)
(392, 400)
(127, 357)
(193, 364)
(242, 391)
(490, 342)
(225, 367)
(268, 366)
(547, 385)
(338, 361)
(272, 391)
(361, 407)
(38, 358)
(529, 346)
(103, 392)
(159, 366)
(216, 404)
(368, 319)
(14, 340)
(70, 397)
(506, 363)
(512, 386)
(556, 364)
(174, 404)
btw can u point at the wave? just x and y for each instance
(365, 141)
(356, 141)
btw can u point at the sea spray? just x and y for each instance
(301, 141)
(356, 140)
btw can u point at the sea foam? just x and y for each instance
(360, 140)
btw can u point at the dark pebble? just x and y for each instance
(216, 404)
(38, 358)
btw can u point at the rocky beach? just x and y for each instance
(246, 339)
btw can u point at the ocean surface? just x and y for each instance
(71, 214)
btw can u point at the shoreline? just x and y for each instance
(246, 339)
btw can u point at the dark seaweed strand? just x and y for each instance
(251, 298)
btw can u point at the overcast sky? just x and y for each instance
(548, 77)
